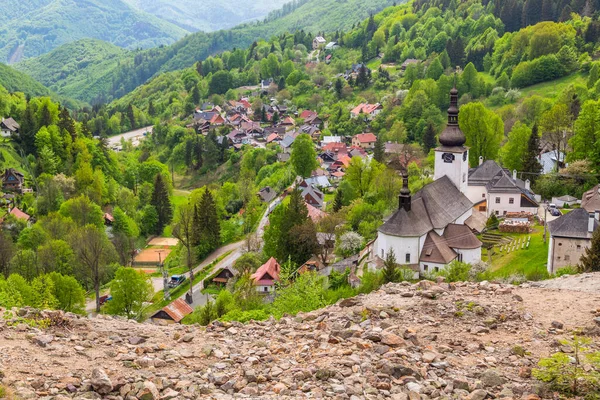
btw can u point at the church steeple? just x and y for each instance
(404, 198)
(452, 136)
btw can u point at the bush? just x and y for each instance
(307, 293)
(245, 316)
(569, 270)
(478, 271)
(224, 303)
(456, 271)
(370, 281)
(406, 274)
(343, 292)
(573, 374)
(537, 275)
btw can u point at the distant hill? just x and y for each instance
(34, 27)
(208, 16)
(90, 83)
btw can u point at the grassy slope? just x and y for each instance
(67, 68)
(89, 82)
(45, 25)
(553, 88)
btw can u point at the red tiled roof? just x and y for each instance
(288, 121)
(273, 136)
(335, 147)
(366, 138)
(344, 159)
(315, 214)
(271, 268)
(365, 108)
(307, 113)
(20, 214)
(178, 309)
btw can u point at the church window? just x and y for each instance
(436, 269)
(408, 258)
(560, 244)
(511, 200)
(465, 156)
(497, 212)
(460, 257)
(426, 267)
(266, 289)
(497, 200)
(483, 195)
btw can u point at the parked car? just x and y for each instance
(105, 298)
(176, 280)
(555, 212)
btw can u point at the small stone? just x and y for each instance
(101, 383)
(597, 321)
(188, 337)
(135, 340)
(491, 378)
(392, 340)
(413, 387)
(169, 394)
(149, 392)
(429, 357)
(43, 340)
(478, 394)
(557, 325)
(349, 302)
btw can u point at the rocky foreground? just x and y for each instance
(423, 341)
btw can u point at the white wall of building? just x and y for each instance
(429, 267)
(469, 256)
(457, 170)
(476, 193)
(401, 246)
(549, 264)
(504, 206)
(265, 289)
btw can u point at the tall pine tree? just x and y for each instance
(210, 229)
(530, 162)
(429, 141)
(337, 201)
(162, 203)
(379, 150)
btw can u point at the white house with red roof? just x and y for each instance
(266, 275)
(368, 110)
(364, 140)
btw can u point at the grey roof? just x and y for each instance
(313, 192)
(436, 250)
(434, 207)
(320, 180)
(267, 194)
(287, 141)
(573, 224)
(567, 198)
(482, 174)
(10, 124)
(206, 115)
(460, 237)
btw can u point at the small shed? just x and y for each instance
(173, 313)
(565, 200)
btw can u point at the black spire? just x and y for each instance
(452, 136)
(404, 199)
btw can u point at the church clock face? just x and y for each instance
(448, 157)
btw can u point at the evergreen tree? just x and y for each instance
(362, 80)
(199, 68)
(196, 235)
(337, 201)
(339, 86)
(208, 219)
(532, 12)
(196, 95)
(66, 123)
(198, 150)
(46, 118)
(131, 116)
(530, 162)
(429, 140)
(390, 270)
(162, 203)
(379, 150)
(26, 137)
(275, 118)
(151, 109)
(590, 261)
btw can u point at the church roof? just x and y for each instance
(433, 207)
(461, 237)
(482, 174)
(436, 250)
(452, 136)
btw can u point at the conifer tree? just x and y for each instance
(379, 150)
(66, 122)
(590, 261)
(531, 163)
(161, 202)
(208, 219)
(151, 109)
(337, 201)
(390, 268)
(429, 141)
(339, 86)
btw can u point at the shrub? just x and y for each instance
(224, 303)
(307, 293)
(478, 271)
(245, 316)
(370, 281)
(456, 271)
(576, 373)
(406, 274)
(569, 270)
(332, 296)
(538, 274)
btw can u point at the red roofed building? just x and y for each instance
(315, 214)
(335, 148)
(217, 120)
(369, 110)
(266, 275)
(307, 113)
(289, 121)
(173, 313)
(20, 214)
(364, 140)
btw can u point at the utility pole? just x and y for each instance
(545, 219)
(165, 275)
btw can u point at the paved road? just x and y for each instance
(135, 136)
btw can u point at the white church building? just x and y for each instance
(431, 229)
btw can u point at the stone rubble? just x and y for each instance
(430, 340)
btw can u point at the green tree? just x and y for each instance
(162, 203)
(590, 260)
(129, 290)
(593, 76)
(208, 220)
(337, 200)
(557, 128)
(82, 211)
(435, 69)
(379, 150)
(513, 153)
(429, 139)
(220, 82)
(68, 292)
(531, 163)
(390, 272)
(483, 129)
(43, 293)
(304, 156)
(339, 87)
(183, 229)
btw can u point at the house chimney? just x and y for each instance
(591, 222)
(480, 160)
(514, 174)
(527, 184)
(404, 199)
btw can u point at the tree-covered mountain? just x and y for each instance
(209, 16)
(92, 84)
(35, 27)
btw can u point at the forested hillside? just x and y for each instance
(210, 16)
(35, 27)
(136, 68)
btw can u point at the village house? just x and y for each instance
(364, 140)
(12, 181)
(369, 111)
(492, 189)
(312, 195)
(223, 276)
(407, 62)
(570, 235)
(266, 275)
(8, 127)
(318, 41)
(550, 163)
(287, 142)
(331, 46)
(266, 194)
(590, 201)
(173, 313)
(428, 230)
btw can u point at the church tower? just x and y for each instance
(452, 157)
